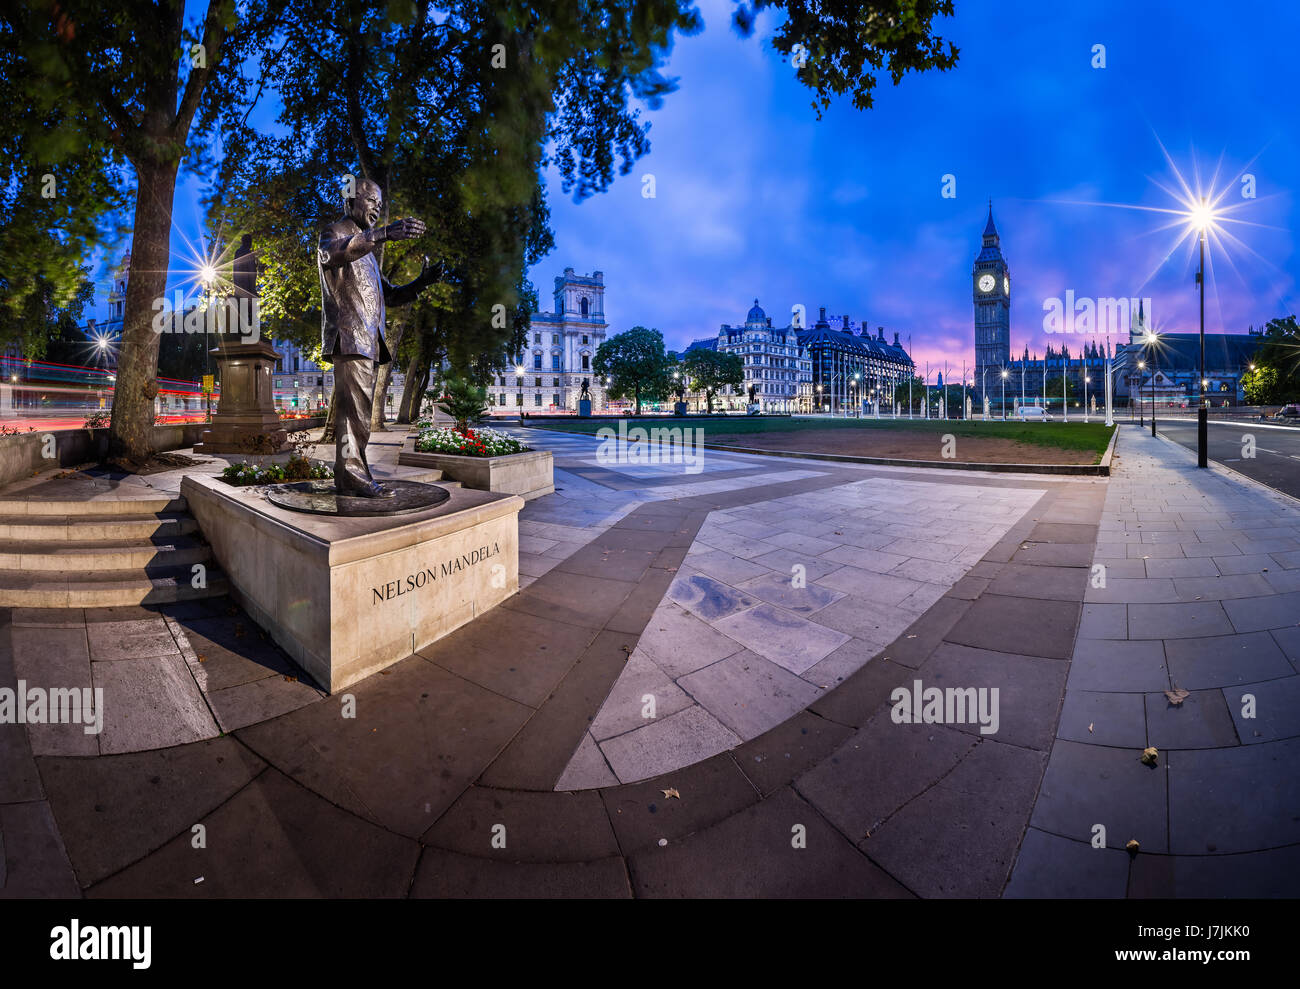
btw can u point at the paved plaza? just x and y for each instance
(692, 694)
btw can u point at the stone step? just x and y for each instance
(81, 528)
(105, 589)
(110, 555)
(91, 507)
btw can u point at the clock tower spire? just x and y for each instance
(991, 293)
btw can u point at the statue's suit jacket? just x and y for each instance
(354, 293)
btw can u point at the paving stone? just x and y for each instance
(1053, 554)
(1028, 698)
(710, 791)
(1018, 625)
(49, 617)
(1103, 718)
(784, 561)
(791, 642)
(539, 753)
(622, 710)
(1031, 581)
(587, 769)
(33, 862)
(1225, 660)
(778, 589)
(885, 589)
(1052, 867)
(861, 695)
(864, 619)
(708, 598)
(1063, 532)
(1118, 665)
(667, 743)
(777, 756)
(117, 809)
(1087, 785)
(1234, 799)
(1251, 875)
(1200, 721)
(443, 875)
(273, 839)
(420, 735)
(1256, 614)
(539, 826)
(959, 838)
(114, 645)
(879, 769)
(608, 563)
(720, 861)
(1288, 640)
(749, 694)
(540, 652)
(150, 703)
(1187, 620)
(575, 599)
(1104, 621)
(1196, 567)
(259, 700)
(1276, 709)
(679, 643)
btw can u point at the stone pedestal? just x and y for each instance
(679, 408)
(247, 410)
(584, 408)
(347, 597)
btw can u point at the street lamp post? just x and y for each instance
(519, 381)
(1202, 413)
(1152, 341)
(1005, 372)
(1141, 408)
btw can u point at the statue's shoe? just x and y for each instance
(353, 488)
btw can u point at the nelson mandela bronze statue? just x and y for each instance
(354, 293)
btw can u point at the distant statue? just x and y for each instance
(586, 389)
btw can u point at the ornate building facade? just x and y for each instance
(559, 354)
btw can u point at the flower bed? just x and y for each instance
(482, 442)
(297, 469)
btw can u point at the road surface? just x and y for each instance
(1277, 450)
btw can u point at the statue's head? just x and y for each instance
(367, 205)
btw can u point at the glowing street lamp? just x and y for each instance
(519, 381)
(1005, 373)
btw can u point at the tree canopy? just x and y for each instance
(634, 364)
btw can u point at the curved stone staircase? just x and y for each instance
(102, 553)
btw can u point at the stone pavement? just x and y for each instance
(1202, 595)
(444, 783)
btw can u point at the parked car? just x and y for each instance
(1033, 413)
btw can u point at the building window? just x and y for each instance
(537, 399)
(537, 338)
(584, 362)
(555, 383)
(555, 362)
(539, 383)
(555, 338)
(584, 306)
(502, 399)
(519, 382)
(537, 362)
(555, 400)
(584, 338)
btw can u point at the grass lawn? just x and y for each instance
(1083, 438)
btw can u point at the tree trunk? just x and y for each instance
(384, 375)
(404, 416)
(412, 390)
(328, 435)
(131, 432)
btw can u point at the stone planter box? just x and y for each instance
(529, 475)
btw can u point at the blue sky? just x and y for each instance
(756, 197)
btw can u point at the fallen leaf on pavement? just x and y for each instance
(1150, 756)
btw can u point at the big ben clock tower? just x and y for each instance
(991, 286)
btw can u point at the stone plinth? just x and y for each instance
(347, 597)
(247, 408)
(529, 475)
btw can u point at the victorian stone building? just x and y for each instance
(559, 354)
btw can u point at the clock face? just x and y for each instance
(986, 283)
(1006, 285)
